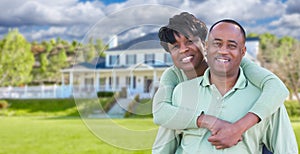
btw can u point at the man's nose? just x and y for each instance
(223, 50)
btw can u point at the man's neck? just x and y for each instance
(224, 83)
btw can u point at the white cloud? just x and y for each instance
(51, 32)
(74, 19)
(288, 21)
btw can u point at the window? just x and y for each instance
(114, 60)
(130, 59)
(168, 59)
(150, 58)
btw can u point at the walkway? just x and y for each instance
(117, 111)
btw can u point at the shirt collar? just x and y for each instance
(240, 84)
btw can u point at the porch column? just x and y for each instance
(70, 87)
(131, 81)
(62, 79)
(114, 86)
(154, 83)
(71, 79)
(154, 76)
(97, 81)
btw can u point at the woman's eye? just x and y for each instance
(189, 42)
(175, 46)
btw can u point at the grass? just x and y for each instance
(33, 135)
(54, 126)
(52, 107)
(296, 126)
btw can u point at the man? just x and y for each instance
(224, 92)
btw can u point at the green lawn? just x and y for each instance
(37, 135)
(33, 135)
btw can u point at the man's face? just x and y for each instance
(186, 53)
(225, 49)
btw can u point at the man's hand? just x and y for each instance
(224, 135)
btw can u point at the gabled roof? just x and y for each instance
(148, 41)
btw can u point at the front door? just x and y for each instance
(147, 84)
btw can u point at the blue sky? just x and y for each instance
(81, 19)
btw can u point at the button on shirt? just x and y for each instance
(201, 96)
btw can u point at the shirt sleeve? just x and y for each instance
(279, 137)
(274, 92)
(164, 112)
(166, 141)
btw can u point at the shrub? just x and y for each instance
(3, 104)
(105, 94)
(293, 108)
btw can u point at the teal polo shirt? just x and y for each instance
(201, 96)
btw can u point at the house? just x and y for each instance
(133, 68)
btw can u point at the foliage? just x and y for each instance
(3, 104)
(22, 62)
(55, 107)
(105, 94)
(281, 56)
(16, 60)
(293, 108)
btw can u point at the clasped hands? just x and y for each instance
(223, 134)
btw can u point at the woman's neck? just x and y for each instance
(199, 71)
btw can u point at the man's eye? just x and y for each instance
(232, 46)
(217, 44)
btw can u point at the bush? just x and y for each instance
(105, 94)
(3, 104)
(293, 108)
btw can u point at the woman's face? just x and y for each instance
(187, 53)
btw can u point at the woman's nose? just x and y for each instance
(183, 49)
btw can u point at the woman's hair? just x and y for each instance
(184, 23)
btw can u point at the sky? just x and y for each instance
(80, 20)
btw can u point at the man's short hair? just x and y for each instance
(232, 22)
(184, 23)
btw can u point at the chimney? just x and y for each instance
(113, 41)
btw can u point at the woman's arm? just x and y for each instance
(274, 92)
(272, 97)
(164, 113)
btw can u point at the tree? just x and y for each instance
(281, 56)
(16, 60)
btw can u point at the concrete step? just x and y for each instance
(117, 111)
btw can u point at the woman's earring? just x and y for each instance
(205, 56)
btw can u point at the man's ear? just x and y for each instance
(206, 46)
(244, 49)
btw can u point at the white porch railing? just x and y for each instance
(62, 91)
(53, 91)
